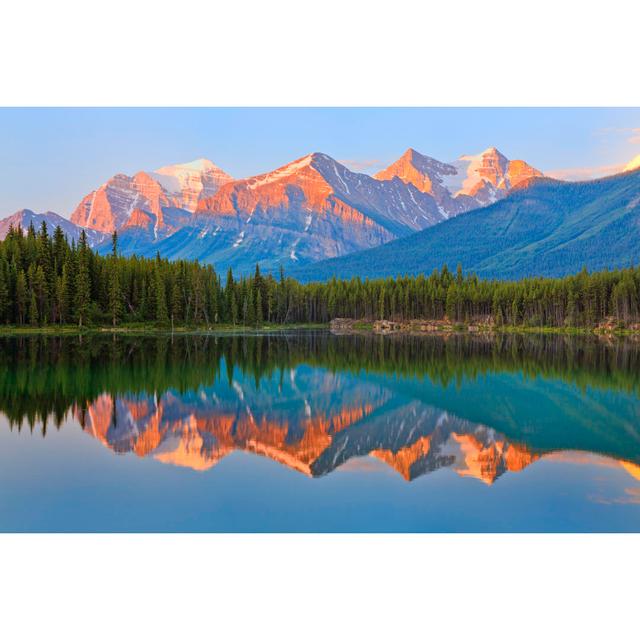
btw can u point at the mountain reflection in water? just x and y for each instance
(313, 401)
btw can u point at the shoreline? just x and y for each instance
(443, 328)
(339, 326)
(71, 330)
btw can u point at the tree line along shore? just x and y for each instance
(44, 376)
(47, 281)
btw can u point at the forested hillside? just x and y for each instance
(548, 228)
(45, 280)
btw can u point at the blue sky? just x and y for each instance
(51, 158)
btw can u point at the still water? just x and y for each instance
(309, 431)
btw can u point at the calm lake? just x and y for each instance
(307, 431)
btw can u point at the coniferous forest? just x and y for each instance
(45, 280)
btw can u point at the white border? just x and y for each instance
(334, 52)
(329, 52)
(314, 586)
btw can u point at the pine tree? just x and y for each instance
(4, 295)
(176, 302)
(258, 314)
(250, 309)
(67, 283)
(41, 290)
(21, 297)
(33, 310)
(162, 315)
(60, 248)
(82, 299)
(115, 294)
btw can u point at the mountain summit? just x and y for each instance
(307, 209)
(548, 228)
(179, 186)
(315, 208)
(470, 182)
(189, 182)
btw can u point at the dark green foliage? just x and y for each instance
(47, 376)
(44, 280)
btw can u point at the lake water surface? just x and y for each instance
(308, 431)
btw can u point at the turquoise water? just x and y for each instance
(313, 432)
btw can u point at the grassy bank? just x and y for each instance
(359, 326)
(151, 329)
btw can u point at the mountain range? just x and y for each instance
(321, 420)
(191, 432)
(316, 218)
(543, 227)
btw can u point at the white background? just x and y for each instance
(322, 52)
(325, 52)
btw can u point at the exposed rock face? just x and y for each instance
(313, 436)
(109, 207)
(428, 175)
(312, 208)
(197, 435)
(487, 177)
(142, 220)
(308, 210)
(552, 228)
(467, 183)
(180, 186)
(418, 439)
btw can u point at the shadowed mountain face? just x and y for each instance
(110, 207)
(25, 217)
(315, 402)
(467, 183)
(308, 210)
(542, 228)
(311, 436)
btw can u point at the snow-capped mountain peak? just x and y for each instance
(281, 173)
(311, 207)
(190, 181)
(178, 186)
(469, 182)
(424, 172)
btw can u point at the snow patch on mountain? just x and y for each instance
(280, 174)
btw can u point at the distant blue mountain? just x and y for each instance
(25, 217)
(545, 227)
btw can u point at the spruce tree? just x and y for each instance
(21, 297)
(82, 298)
(250, 307)
(162, 315)
(115, 294)
(258, 314)
(33, 309)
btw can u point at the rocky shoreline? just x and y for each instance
(485, 325)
